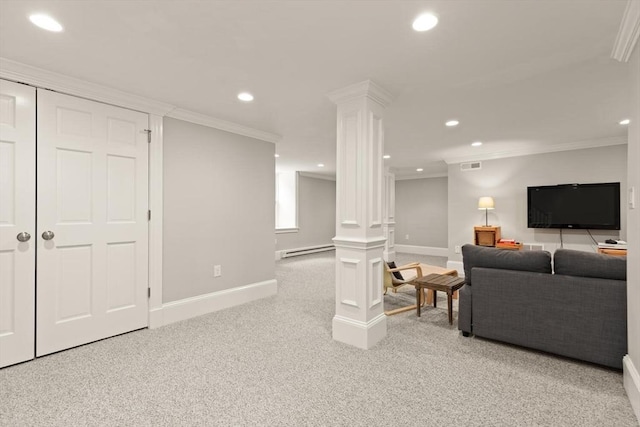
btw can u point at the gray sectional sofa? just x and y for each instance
(575, 308)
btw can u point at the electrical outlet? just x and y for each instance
(217, 271)
(406, 237)
(457, 249)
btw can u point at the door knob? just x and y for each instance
(23, 237)
(48, 235)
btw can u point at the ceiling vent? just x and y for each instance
(471, 166)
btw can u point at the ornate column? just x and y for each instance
(359, 241)
(389, 216)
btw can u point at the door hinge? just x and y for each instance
(149, 215)
(148, 292)
(148, 131)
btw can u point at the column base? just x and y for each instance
(360, 334)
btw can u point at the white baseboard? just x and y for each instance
(187, 308)
(456, 265)
(421, 250)
(631, 380)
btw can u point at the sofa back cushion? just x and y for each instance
(479, 256)
(589, 264)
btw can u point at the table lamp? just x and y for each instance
(486, 203)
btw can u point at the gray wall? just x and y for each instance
(421, 212)
(316, 215)
(219, 192)
(506, 180)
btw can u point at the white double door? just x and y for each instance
(89, 239)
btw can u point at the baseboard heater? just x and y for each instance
(308, 250)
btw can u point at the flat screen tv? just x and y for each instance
(583, 206)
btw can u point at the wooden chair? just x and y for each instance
(392, 282)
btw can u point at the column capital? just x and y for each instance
(360, 90)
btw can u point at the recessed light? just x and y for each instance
(245, 96)
(476, 144)
(276, 155)
(419, 170)
(425, 22)
(320, 165)
(386, 156)
(45, 22)
(624, 122)
(452, 123)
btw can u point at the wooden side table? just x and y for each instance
(438, 282)
(486, 236)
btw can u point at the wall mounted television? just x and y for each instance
(575, 206)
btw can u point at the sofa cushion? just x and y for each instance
(588, 264)
(479, 256)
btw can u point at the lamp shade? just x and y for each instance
(485, 203)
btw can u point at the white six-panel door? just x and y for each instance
(92, 197)
(17, 215)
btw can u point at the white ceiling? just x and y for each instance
(521, 76)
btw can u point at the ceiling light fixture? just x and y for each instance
(451, 123)
(245, 97)
(386, 156)
(476, 144)
(419, 170)
(45, 22)
(276, 155)
(624, 122)
(320, 165)
(425, 22)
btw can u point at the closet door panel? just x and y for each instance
(17, 221)
(93, 197)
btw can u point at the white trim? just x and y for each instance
(287, 230)
(187, 308)
(18, 72)
(156, 207)
(628, 33)
(578, 145)
(356, 91)
(421, 250)
(456, 265)
(420, 176)
(357, 333)
(204, 120)
(357, 243)
(631, 381)
(317, 176)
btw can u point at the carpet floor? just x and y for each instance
(273, 363)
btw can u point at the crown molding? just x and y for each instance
(204, 120)
(317, 176)
(628, 33)
(421, 176)
(579, 145)
(358, 90)
(38, 77)
(22, 73)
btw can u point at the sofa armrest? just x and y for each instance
(579, 317)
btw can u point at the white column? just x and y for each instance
(359, 241)
(389, 216)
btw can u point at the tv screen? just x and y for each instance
(585, 206)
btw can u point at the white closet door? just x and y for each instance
(92, 198)
(17, 215)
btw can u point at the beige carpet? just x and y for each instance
(273, 363)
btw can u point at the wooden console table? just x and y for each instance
(486, 236)
(615, 252)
